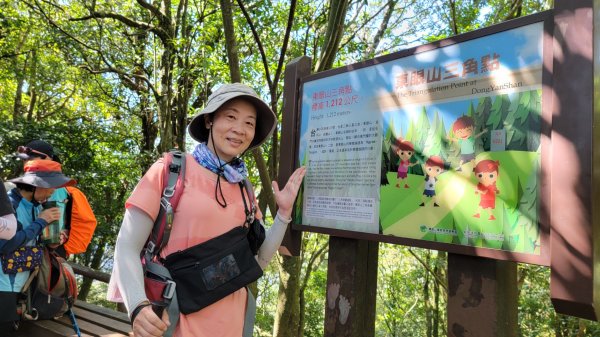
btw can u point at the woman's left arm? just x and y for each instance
(285, 202)
(22, 236)
(8, 226)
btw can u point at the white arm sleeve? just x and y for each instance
(135, 229)
(272, 241)
(8, 226)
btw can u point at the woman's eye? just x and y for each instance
(402, 153)
(480, 175)
(491, 176)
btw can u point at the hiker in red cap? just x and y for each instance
(33, 188)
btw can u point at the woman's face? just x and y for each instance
(42, 194)
(233, 127)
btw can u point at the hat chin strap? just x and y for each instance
(217, 153)
(218, 185)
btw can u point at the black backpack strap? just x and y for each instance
(161, 232)
(163, 224)
(250, 211)
(256, 231)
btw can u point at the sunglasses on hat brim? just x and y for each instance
(28, 151)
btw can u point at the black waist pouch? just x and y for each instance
(207, 272)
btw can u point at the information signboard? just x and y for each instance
(440, 146)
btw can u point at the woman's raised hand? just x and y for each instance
(285, 198)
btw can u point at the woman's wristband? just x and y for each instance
(137, 310)
(283, 219)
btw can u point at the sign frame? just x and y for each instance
(546, 127)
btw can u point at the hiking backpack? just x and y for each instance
(51, 290)
(81, 220)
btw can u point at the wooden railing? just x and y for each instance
(89, 272)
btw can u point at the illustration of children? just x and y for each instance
(404, 150)
(463, 135)
(433, 168)
(486, 172)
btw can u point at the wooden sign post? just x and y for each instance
(575, 213)
(482, 297)
(351, 288)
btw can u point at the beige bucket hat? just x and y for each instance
(265, 117)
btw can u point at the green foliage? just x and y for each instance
(536, 314)
(401, 298)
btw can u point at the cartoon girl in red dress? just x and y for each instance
(486, 172)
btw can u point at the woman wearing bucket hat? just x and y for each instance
(213, 204)
(77, 222)
(32, 189)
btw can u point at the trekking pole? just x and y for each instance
(74, 322)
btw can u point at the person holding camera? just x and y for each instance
(33, 188)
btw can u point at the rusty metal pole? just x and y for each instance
(351, 288)
(482, 297)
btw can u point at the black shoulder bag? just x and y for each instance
(207, 272)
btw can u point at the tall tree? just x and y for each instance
(149, 47)
(333, 34)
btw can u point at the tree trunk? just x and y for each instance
(436, 295)
(184, 83)
(84, 290)
(427, 297)
(165, 113)
(453, 18)
(32, 81)
(288, 304)
(146, 114)
(230, 41)
(18, 103)
(165, 96)
(335, 31)
(20, 77)
(372, 48)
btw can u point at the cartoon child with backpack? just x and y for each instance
(433, 168)
(486, 172)
(404, 150)
(463, 129)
